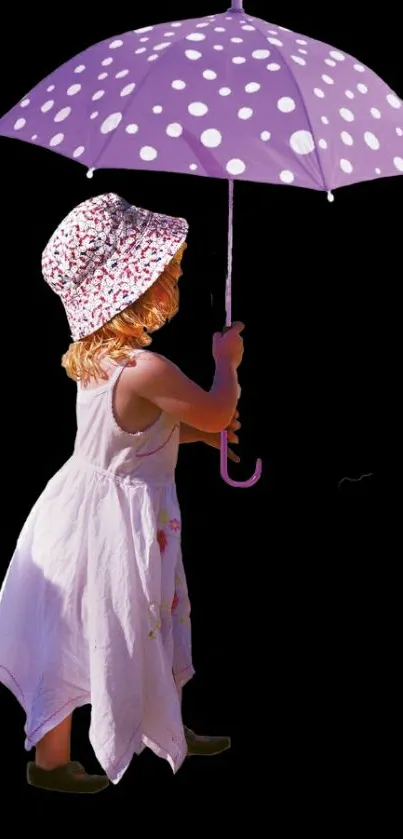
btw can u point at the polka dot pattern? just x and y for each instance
(221, 96)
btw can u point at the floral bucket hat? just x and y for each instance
(104, 255)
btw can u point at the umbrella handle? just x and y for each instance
(224, 467)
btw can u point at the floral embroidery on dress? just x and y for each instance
(175, 602)
(164, 517)
(154, 610)
(174, 525)
(162, 540)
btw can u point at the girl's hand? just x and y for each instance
(214, 439)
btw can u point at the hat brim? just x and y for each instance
(147, 243)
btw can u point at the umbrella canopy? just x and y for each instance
(224, 96)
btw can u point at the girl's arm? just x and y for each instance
(189, 434)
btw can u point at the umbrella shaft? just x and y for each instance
(236, 6)
(228, 287)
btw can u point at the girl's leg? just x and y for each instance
(54, 748)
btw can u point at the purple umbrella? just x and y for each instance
(223, 96)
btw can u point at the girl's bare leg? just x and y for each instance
(54, 748)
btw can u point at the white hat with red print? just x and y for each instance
(104, 255)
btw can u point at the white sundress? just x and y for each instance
(94, 607)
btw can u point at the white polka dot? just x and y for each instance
(78, 151)
(102, 76)
(375, 113)
(245, 113)
(338, 56)
(265, 135)
(327, 79)
(211, 138)
(19, 124)
(286, 176)
(174, 129)
(157, 109)
(350, 94)
(34, 137)
(225, 91)
(152, 58)
(63, 114)
(116, 44)
(144, 40)
(303, 52)
(275, 42)
(399, 132)
(193, 167)
(238, 60)
(260, 54)
(249, 28)
(325, 120)
(98, 95)
(201, 25)
(47, 106)
(110, 123)
(237, 40)
(218, 47)
(219, 29)
(209, 74)
(394, 102)
(106, 62)
(302, 142)
(148, 153)
(94, 114)
(56, 140)
(273, 67)
(73, 89)
(163, 46)
(398, 161)
(346, 138)
(128, 89)
(24, 103)
(150, 28)
(286, 104)
(378, 171)
(235, 166)
(80, 68)
(362, 88)
(323, 144)
(359, 68)
(132, 128)
(346, 114)
(372, 140)
(299, 60)
(178, 84)
(193, 55)
(198, 109)
(175, 24)
(121, 74)
(330, 63)
(346, 166)
(140, 50)
(196, 36)
(50, 88)
(319, 93)
(300, 41)
(252, 87)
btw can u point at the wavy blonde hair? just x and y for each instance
(128, 330)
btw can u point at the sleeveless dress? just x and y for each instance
(94, 607)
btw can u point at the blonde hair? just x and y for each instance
(128, 330)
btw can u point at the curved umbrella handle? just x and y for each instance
(224, 467)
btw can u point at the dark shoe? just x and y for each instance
(71, 777)
(199, 745)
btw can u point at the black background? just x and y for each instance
(290, 581)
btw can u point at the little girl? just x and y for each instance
(94, 607)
